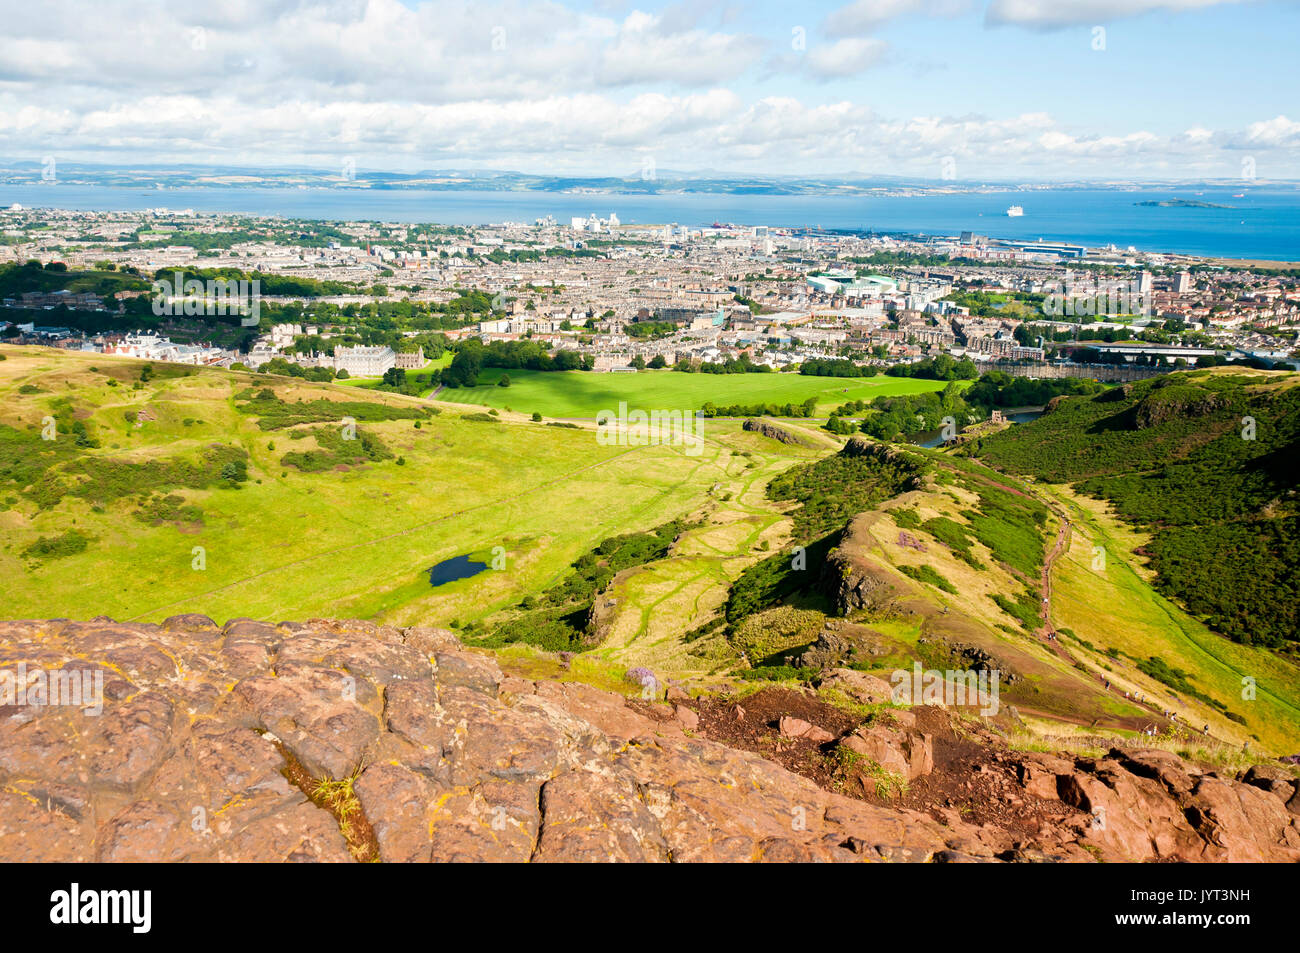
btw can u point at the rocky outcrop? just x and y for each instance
(851, 579)
(1152, 805)
(211, 742)
(858, 686)
(838, 643)
(449, 759)
(909, 754)
(909, 470)
(1173, 402)
(1114, 394)
(956, 654)
(768, 429)
(860, 446)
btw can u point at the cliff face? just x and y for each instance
(213, 743)
(853, 581)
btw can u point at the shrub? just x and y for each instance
(929, 575)
(57, 547)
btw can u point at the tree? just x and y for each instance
(504, 381)
(638, 362)
(657, 362)
(394, 377)
(236, 471)
(465, 366)
(537, 417)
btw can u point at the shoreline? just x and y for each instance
(144, 197)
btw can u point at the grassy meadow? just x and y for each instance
(118, 516)
(583, 394)
(351, 540)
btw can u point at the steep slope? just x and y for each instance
(1205, 460)
(960, 567)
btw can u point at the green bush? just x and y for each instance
(57, 547)
(928, 574)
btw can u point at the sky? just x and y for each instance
(971, 90)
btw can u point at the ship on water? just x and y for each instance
(1015, 211)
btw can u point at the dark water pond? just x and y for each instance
(458, 567)
(933, 438)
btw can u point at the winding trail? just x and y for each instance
(1048, 631)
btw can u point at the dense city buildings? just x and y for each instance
(621, 293)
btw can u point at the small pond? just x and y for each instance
(458, 567)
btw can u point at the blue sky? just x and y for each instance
(988, 89)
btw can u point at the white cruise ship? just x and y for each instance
(1015, 211)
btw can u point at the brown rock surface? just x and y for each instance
(203, 726)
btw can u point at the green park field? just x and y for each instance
(583, 394)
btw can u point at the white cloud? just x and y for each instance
(1053, 14)
(867, 16)
(645, 52)
(528, 84)
(600, 134)
(1276, 133)
(845, 57)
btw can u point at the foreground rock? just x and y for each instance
(190, 758)
(210, 740)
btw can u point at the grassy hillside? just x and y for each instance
(293, 521)
(1207, 461)
(1115, 620)
(966, 556)
(172, 489)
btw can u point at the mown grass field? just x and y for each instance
(354, 542)
(583, 394)
(660, 603)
